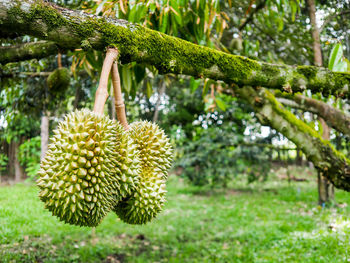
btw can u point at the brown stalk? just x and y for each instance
(102, 90)
(118, 97)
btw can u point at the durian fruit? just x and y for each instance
(154, 146)
(87, 168)
(155, 154)
(127, 166)
(58, 80)
(146, 202)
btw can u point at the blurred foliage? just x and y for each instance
(3, 162)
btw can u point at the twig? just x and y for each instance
(330, 18)
(260, 6)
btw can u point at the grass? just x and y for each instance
(270, 222)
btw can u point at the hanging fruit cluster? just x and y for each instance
(95, 165)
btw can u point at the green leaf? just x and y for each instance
(140, 73)
(163, 22)
(335, 56)
(206, 87)
(348, 64)
(149, 89)
(221, 104)
(126, 79)
(342, 66)
(194, 84)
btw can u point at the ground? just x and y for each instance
(274, 221)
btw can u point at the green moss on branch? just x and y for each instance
(27, 51)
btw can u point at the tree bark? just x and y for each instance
(75, 29)
(315, 34)
(326, 159)
(25, 51)
(44, 134)
(19, 173)
(334, 117)
(325, 188)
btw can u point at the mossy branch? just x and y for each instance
(25, 51)
(76, 29)
(334, 117)
(334, 165)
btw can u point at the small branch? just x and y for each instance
(331, 17)
(25, 51)
(260, 6)
(118, 97)
(334, 117)
(102, 90)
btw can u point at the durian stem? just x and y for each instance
(102, 90)
(118, 97)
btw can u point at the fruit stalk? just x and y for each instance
(102, 90)
(118, 97)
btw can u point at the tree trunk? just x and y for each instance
(11, 161)
(325, 188)
(15, 169)
(315, 34)
(44, 127)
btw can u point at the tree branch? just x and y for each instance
(76, 29)
(25, 51)
(331, 17)
(334, 117)
(334, 165)
(260, 6)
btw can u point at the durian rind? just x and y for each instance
(128, 165)
(80, 176)
(146, 202)
(156, 152)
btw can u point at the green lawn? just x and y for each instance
(271, 222)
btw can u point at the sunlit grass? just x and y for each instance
(270, 222)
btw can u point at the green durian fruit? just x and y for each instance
(154, 146)
(127, 167)
(146, 201)
(59, 80)
(83, 173)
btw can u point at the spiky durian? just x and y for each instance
(154, 146)
(86, 168)
(146, 201)
(128, 164)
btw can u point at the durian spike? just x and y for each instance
(102, 90)
(118, 97)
